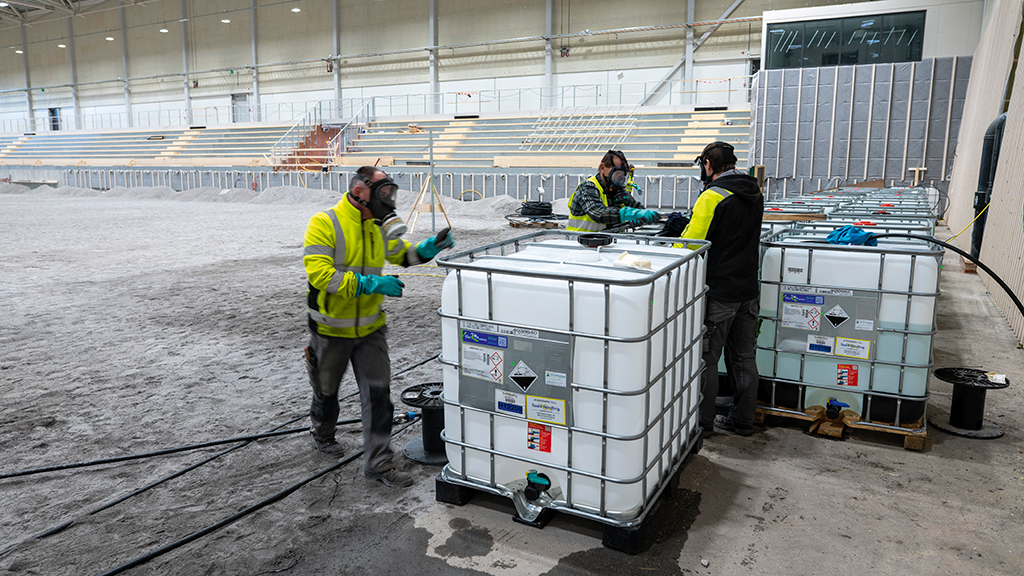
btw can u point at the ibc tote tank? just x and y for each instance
(559, 361)
(850, 322)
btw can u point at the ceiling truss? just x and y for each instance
(28, 11)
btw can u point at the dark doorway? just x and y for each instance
(54, 115)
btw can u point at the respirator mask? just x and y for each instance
(618, 177)
(727, 154)
(383, 198)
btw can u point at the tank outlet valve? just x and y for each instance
(834, 407)
(536, 484)
(533, 494)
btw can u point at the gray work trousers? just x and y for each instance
(730, 325)
(372, 367)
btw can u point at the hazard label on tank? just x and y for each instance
(482, 363)
(837, 316)
(801, 316)
(523, 375)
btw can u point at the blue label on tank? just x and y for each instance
(485, 339)
(819, 348)
(803, 298)
(513, 408)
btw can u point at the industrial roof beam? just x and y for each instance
(691, 47)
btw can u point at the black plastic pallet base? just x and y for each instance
(629, 540)
(542, 519)
(451, 493)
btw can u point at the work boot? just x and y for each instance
(393, 478)
(329, 448)
(726, 423)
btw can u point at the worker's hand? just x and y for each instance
(386, 285)
(430, 247)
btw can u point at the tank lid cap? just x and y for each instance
(594, 240)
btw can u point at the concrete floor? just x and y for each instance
(137, 324)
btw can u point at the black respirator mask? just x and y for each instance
(618, 177)
(383, 198)
(727, 151)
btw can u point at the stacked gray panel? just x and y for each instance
(816, 127)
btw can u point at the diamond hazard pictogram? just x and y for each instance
(496, 359)
(496, 374)
(812, 322)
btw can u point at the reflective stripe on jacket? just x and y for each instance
(339, 244)
(585, 223)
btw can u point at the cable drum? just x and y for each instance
(533, 208)
(428, 397)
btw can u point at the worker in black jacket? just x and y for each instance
(728, 213)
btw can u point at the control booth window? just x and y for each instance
(875, 39)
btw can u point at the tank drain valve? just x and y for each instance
(834, 407)
(536, 483)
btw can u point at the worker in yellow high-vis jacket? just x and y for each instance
(345, 249)
(728, 213)
(604, 200)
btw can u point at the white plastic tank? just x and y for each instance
(561, 359)
(850, 322)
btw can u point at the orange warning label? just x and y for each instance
(846, 374)
(538, 437)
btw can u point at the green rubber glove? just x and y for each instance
(386, 285)
(431, 247)
(637, 215)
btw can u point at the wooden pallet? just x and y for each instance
(913, 436)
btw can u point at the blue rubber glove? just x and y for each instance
(386, 285)
(431, 247)
(627, 214)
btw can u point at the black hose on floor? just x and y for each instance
(242, 514)
(948, 246)
(64, 525)
(165, 451)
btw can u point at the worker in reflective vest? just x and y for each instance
(604, 200)
(728, 213)
(345, 249)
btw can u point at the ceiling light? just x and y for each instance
(163, 30)
(3, 4)
(18, 52)
(110, 38)
(61, 46)
(226, 21)
(296, 9)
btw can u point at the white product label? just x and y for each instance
(801, 316)
(867, 325)
(820, 344)
(522, 332)
(510, 403)
(555, 378)
(837, 316)
(833, 291)
(853, 348)
(523, 375)
(482, 363)
(547, 410)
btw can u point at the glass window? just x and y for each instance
(785, 45)
(901, 37)
(824, 39)
(861, 42)
(875, 39)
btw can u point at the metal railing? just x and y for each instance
(699, 92)
(586, 128)
(283, 151)
(350, 131)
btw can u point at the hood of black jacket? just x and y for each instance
(741, 185)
